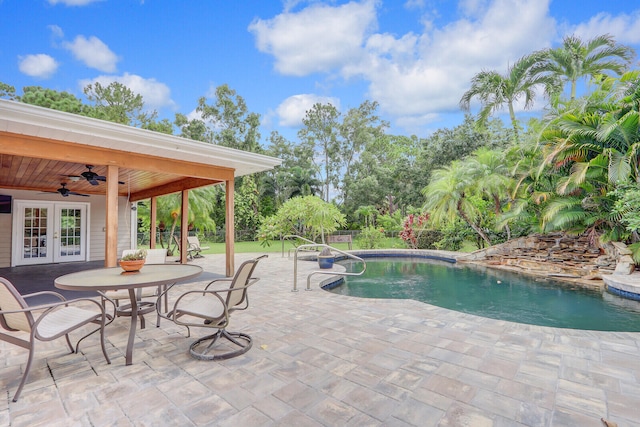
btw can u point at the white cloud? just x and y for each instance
(155, 94)
(624, 28)
(413, 76)
(293, 109)
(56, 31)
(41, 65)
(316, 39)
(416, 76)
(72, 2)
(93, 52)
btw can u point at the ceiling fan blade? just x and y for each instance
(93, 177)
(77, 194)
(104, 179)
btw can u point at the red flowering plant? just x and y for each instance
(414, 225)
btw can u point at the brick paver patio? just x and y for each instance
(321, 359)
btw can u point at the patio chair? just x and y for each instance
(154, 256)
(194, 247)
(45, 322)
(212, 308)
(178, 244)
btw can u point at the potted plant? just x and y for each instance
(326, 258)
(133, 261)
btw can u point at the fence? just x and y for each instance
(218, 236)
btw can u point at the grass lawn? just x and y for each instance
(276, 246)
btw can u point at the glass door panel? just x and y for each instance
(33, 225)
(70, 233)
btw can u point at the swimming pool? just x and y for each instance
(491, 293)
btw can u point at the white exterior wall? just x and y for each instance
(96, 223)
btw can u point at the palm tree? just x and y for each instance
(494, 90)
(301, 182)
(491, 176)
(201, 204)
(576, 59)
(447, 197)
(368, 212)
(597, 149)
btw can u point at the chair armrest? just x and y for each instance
(55, 294)
(250, 282)
(48, 307)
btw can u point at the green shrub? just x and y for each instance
(427, 239)
(370, 238)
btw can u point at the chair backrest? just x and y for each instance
(241, 279)
(156, 256)
(194, 242)
(10, 299)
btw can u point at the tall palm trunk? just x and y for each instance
(473, 225)
(498, 210)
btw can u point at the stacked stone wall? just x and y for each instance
(558, 254)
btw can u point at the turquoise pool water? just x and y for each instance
(491, 293)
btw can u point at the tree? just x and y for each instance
(495, 90)
(232, 123)
(320, 133)
(595, 149)
(117, 103)
(301, 182)
(360, 128)
(201, 204)
(446, 145)
(195, 129)
(576, 59)
(48, 98)
(247, 214)
(8, 92)
(368, 213)
(448, 197)
(307, 216)
(491, 175)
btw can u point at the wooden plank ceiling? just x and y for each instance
(36, 174)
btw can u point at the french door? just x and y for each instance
(49, 232)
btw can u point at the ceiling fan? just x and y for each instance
(65, 192)
(93, 177)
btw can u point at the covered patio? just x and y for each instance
(44, 153)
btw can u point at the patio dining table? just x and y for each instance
(113, 278)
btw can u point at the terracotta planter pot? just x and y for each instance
(133, 265)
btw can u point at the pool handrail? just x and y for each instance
(333, 273)
(295, 236)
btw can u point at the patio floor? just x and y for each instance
(321, 359)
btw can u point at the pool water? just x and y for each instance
(491, 293)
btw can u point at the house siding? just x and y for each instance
(5, 239)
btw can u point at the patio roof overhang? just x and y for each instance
(41, 148)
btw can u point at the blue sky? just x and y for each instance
(414, 57)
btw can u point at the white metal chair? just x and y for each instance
(194, 247)
(212, 308)
(154, 256)
(45, 322)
